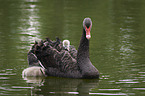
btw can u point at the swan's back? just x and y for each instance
(52, 54)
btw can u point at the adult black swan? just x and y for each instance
(54, 59)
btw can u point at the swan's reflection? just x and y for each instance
(61, 86)
(35, 80)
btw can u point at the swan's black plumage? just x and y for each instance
(63, 63)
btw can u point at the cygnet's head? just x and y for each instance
(34, 71)
(66, 44)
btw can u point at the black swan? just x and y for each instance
(57, 60)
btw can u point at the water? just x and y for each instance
(116, 47)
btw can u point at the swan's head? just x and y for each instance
(66, 44)
(87, 25)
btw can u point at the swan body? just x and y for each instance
(59, 62)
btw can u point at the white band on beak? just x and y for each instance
(88, 36)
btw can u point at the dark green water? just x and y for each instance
(117, 45)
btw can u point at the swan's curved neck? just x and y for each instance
(83, 50)
(86, 68)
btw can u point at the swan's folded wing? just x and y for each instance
(53, 55)
(62, 60)
(73, 51)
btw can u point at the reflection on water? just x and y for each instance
(60, 86)
(116, 48)
(30, 22)
(66, 86)
(35, 80)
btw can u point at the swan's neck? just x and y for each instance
(86, 68)
(83, 50)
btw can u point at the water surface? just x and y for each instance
(116, 47)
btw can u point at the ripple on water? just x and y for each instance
(76, 93)
(4, 74)
(140, 76)
(20, 87)
(138, 88)
(112, 94)
(110, 89)
(127, 81)
(4, 78)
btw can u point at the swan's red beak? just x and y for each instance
(88, 35)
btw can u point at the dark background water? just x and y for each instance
(117, 45)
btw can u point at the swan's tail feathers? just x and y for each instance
(53, 43)
(48, 40)
(34, 71)
(58, 40)
(40, 43)
(35, 43)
